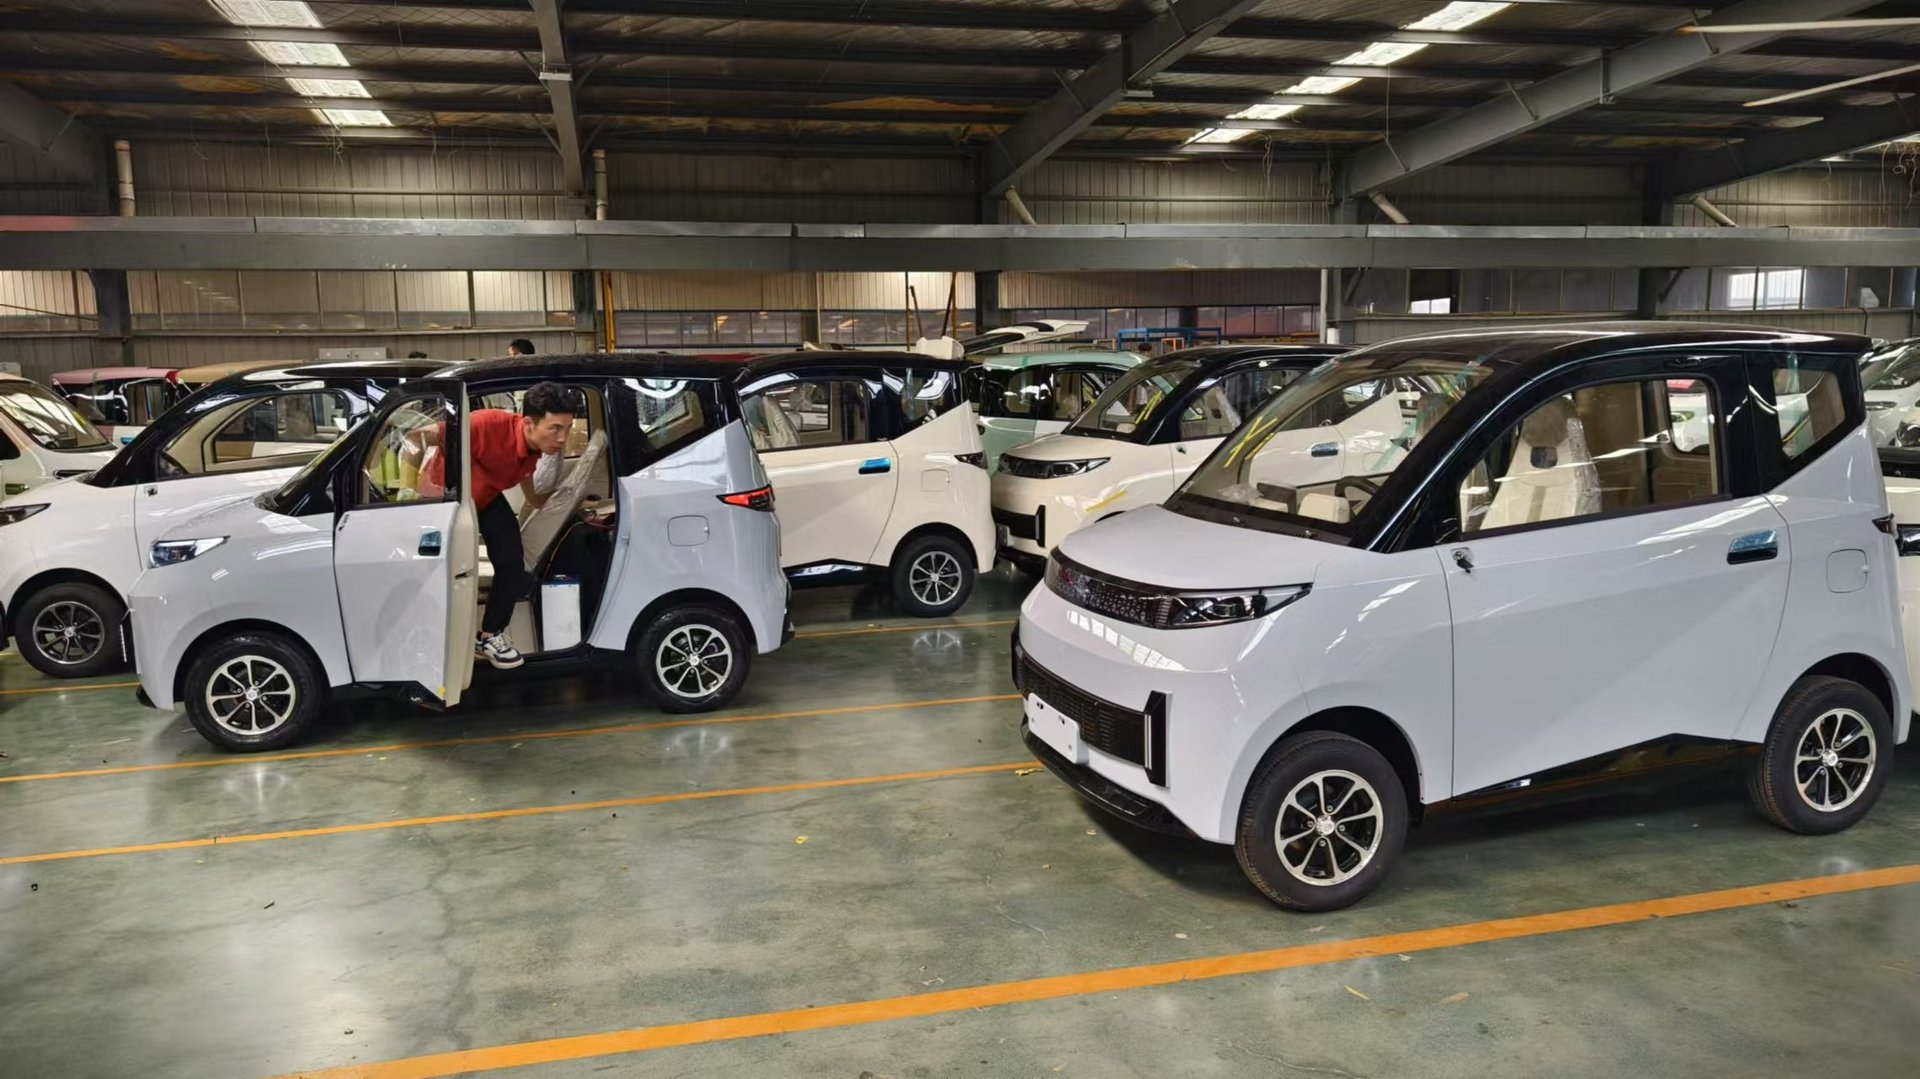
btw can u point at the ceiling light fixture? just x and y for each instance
(296, 14)
(1455, 16)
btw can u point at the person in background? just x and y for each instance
(416, 355)
(520, 346)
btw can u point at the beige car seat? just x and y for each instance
(1551, 477)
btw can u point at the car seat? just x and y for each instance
(1551, 476)
(542, 528)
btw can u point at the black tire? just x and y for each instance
(1374, 810)
(288, 681)
(932, 576)
(703, 631)
(55, 626)
(1821, 716)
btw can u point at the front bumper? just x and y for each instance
(1036, 514)
(1109, 796)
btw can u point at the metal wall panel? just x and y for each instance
(1196, 288)
(1094, 192)
(1826, 196)
(40, 357)
(723, 187)
(713, 291)
(1518, 195)
(888, 291)
(28, 186)
(460, 181)
(190, 351)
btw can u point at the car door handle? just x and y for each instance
(874, 466)
(1463, 558)
(430, 544)
(1753, 547)
(1324, 449)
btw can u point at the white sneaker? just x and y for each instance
(498, 650)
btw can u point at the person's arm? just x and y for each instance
(534, 498)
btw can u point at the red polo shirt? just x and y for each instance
(501, 456)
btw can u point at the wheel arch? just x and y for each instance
(1861, 669)
(683, 597)
(1366, 725)
(937, 528)
(62, 575)
(237, 626)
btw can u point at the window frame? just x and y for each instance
(1769, 454)
(350, 479)
(876, 387)
(1435, 523)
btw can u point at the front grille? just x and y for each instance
(1025, 467)
(1019, 525)
(1108, 727)
(1127, 601)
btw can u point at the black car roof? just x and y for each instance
(1541, 347)
(585, 365)
(339, 369)
(778, 362)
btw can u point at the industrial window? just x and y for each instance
(1761, 290)
(705, 329)
(1240, 323)
(349, 300)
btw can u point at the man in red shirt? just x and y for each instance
(505, 448)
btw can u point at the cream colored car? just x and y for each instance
(877, 470)
(1141, 437)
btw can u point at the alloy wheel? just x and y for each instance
(1834, 760)
(251, 695)
(694, 660)
(1329, 828)
(934, 578)
(68, 633)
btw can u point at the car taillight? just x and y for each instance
(760, 498)
(977, 460)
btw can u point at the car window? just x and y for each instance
(404, 461)
(811, 412)
(146, 401)
(1127, 406)
(1075, 391)
(924, 394)
(279, 426)
(1808, 407)
(1210, 415)
(1024, 394)
(48, 419)
(1598, 450)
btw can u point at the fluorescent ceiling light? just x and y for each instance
(267, 13)
(296, 13)
(355, 117)
(1455, 16)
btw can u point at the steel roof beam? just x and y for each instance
(1523, 109)
(556, 73)
(1141, 54)
(1845, 132)
(53, 137)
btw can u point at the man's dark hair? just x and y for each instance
(416, 354)
(520, 346)
(547, 398)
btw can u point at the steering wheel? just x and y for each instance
(1361, 483)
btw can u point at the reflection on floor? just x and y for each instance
(349, 947)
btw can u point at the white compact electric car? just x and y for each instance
(43, 438)
(659, 542)
(1142, 435)
(69, 551)
(1892, 377)
(1024, 395)
(876, 460)
(1293, 664)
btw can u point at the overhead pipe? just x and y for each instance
(123, 174)
(1387, 207)
(1714, 213)
(1019, 207)
(599, 185)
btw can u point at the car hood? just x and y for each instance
(1140, 545)
(1068, 447)
(229, 513)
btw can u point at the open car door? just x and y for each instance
(406, 544)
(1024, 333)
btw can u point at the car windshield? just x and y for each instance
(1127, 408)
(1895, 368)
(48, 419)
(1315, 455)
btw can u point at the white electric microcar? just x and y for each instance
(44, 438)
(1547, 577)
(658, 543)
(1149, 428)
(876, 460)
(69, 551)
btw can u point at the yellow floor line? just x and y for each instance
(1026, 991)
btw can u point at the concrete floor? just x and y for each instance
(322, 951)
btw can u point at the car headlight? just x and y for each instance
(13, 515)
(174, 552)
(1189, 610)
